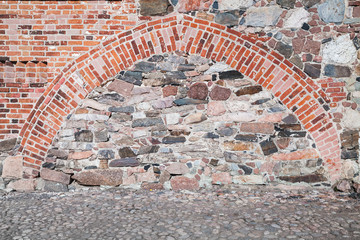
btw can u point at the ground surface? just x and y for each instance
(222, 213)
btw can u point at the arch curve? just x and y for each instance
(247, 54)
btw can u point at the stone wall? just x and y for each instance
(309, 39)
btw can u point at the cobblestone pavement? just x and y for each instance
(222, 213)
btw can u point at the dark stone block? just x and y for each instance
(126, 152)
(186, 67)
(128, 109)
(156, 58)
(349, 139)
(231, 75)
(7, 145)
(261, 101)
(211, 135)
(49, 165)
(134, 77)
(247, 170)
(249, 90)
(189, 101)
(246, 137)
(311, 178)
(90, 167)
(147, 122)
(84, 136)
(175, 75)
(125, 162)
(155, 7)
(286, 3)
(49, 186)
(305, 26)
(313, 70)
(285, 49)
(101, 136)
(108, 97)
(148, 149)
(227, 19)
(214, 162)
(268, 147)
(349, 154)
(337, 71)
(290, 119)
(106, 154)
(145, 67)
(356, 42)
(171, 140)
(309, 3)
(61, 154)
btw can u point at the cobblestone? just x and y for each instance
(242, 212)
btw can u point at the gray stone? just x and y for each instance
(49, 165)
(231, 75)
(227, 131)
(211, 135)
(134, 77)
(246, 137)
(337, 71)
(126, 152)
(156, 58)
(284, 49)
(264, 16)
(332, 11)
(125, 162)
(249, 90)
(171, 140)
(175, 75)
(7, 145)
(102, 136)
(297, 61)
(290, 119)
(84, 136)
(127, 109)
(189, 101)
(49, 186)
(96, 177)
(145, 67)
(61, 154)
(227, 19)
(108, 98)
(186, 67)
(148, 149)
(106, 154)
(356, 42)
(247, 170)
(309, 3)
(313, 70)
(286, 3)
(147, 122)
(234, 4)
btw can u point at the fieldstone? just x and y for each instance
(227, 19)
(61, 154)
(84, 136)
(296, 155)
(257, 127)
(221, 178)
(169, 91)
(217, 67)
(234, 4)
(246, 137)
(171, 76)
(148, 149)
(268, 147)
(313, 70)
(283, 143)
(184, 183)
(351, 119)
(152, 186)
(80, 155)
(48, 165)
(195, 118)
(155, 7)
(220, 93)
(164, 176)
(54, 176)
(249, 90)
(297, 61)
(235, 117)
(311, 178)
(125, 162)
(189, 101)
(156, 58)
(171, 140)
(126, 152)
(332, 11)
(13, 167)
(148, 176)
(290, 119)
(238, 146)
(356, 42)
(198, 91)
(109, 98)
(309, 3)
(350, 139)
(247, 170)
(90, 103)
(147, 122)
(97, 177)
(264, 16)
(231, 75)
(211, 135)
(249, 179)
(127, 109)
(157, 82)
(49, 186)
(106, 154)
(349, 154)
(340, 50)
(133, 77)
(121, 87)
(215, 108)
(186, 67)
(286, 3)
(163, 103)
(194, 5)
(120, 117)
(337, 71)
(172, 118)
(284, 49)
(102, 135)
(22, 185)
(226, 131)
(8, 144)
(177, 168)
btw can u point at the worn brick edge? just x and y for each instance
(178, 32)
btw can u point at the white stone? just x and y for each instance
(144, 106)
(90, 103)
(138, 115)
(351, 119)
(249, 179)
(172, 118)
(234, 4)
(296, 18)
(218, 67)
(236, 106)
(235, 117)
(342, 51)
(66, 133)
(13, 167)
(139, 133)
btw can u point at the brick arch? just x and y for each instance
(245, 53)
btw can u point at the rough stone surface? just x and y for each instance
(7, 145)
(313, 70)
(195, 118)
(351, 118)
(216, 108)
(227, 18)
(121, 87)
(337, 71)
(184, 183)
(49, 186)
(194, 5)
(234, 4)
(339, 51)
(154, 8)
(312, 178)
(109, 177)
(220, 93)
(198, 91)
(284, 49)
(23, 185)
(13, 167)
(84, 136)
(177, 169)
(332, 11)
(286, 3)
(221, 178)
(55, 176)
(261, 17)
(125, 162)
(296, 18)
(80, 155)
(249, 90)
